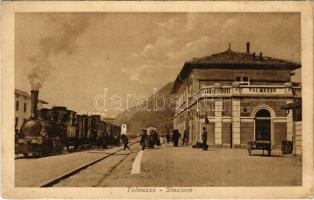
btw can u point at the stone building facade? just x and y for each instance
(238, 97)
(23, 107)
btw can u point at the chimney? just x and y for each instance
(34, 99)
(254, 55)
(248, 47)
(261, 55)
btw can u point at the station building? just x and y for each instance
(238, 96)
(23, 107)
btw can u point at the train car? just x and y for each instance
(99, 133)
(79, 130)
(116, 134)
(103, 135)
(50, 130)
(95, 129)
(67, 119)
(110, 137)
(83, 131)
(71, 129)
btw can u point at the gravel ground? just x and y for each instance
(165, 167)
(32, 172)
(185, 166)
(94, 175)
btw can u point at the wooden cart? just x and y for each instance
(259, 145)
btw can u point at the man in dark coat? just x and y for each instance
(184, 137)
(167, 137)
(204, 138)
(187, 137)
(143, 139)
(175, 137)
(156, 138)
(125, 141)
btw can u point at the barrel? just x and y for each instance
(286, 147)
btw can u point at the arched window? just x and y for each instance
(263, 113)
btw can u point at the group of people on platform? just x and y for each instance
(148, 139)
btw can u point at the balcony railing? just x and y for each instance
(251, 90)
(241, 91)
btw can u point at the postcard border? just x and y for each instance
(8, 84)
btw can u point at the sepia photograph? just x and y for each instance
(159, 101)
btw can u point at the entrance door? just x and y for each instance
(263, 125)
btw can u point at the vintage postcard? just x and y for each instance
(154, 100)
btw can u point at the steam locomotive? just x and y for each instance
(50, 131)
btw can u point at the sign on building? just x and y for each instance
(123, 129)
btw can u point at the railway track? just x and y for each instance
(55, 180)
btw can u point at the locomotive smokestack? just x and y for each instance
(34, 99)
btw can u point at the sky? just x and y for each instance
(73, 57)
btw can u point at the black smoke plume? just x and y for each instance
(62, 40)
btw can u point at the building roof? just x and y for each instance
(22, 93)
(234, 60)
(25, 94)
(232, 57)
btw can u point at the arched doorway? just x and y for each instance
(263, 125)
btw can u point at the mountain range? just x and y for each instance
(137, 119)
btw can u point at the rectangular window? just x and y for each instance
(243, 80)
(17, 106)
(24, 107)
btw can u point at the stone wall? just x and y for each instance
(211, 133)
(274, 103)
(298, 137)
(227, 109)
(247, 132)
(226, 133)
(220, 129)
(280, 133)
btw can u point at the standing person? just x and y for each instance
(175, 137)
(143, 139)
(204, 138)
(152, 139)
(156, 138)
(163, 137)
(105, 140)
(184, 137)
(187, 137)
(125, 141)
(149, 138)
(168, 137)
(179, 136)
